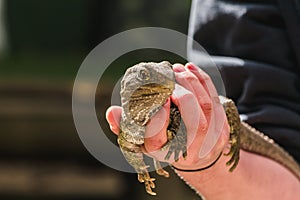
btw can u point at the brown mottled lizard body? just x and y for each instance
(252, 140)
(145, 87)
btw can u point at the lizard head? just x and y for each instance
(145, 87)
(153, 74)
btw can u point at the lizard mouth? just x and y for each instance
(152, 89)
(146, 101)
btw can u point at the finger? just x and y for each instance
(113, 117)
(204, 78)
(191, 113)
(218, 117)
(177, 67)
(194, 120)
(155, 135)
(188, 80)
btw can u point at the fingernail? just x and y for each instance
(191, 66)
(112, 127)
(178, 68)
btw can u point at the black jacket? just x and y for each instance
(256, 46)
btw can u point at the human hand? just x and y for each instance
(201, 112)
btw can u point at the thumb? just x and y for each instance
(113, 117)
(155, 135)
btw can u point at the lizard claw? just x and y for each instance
(177, 143)
(149, 182)
(176, 134)
(149, 191)
(235, 131)
(159, 170)
(162, 172)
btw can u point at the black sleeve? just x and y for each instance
(256, 46)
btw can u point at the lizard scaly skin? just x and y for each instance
(145, 87)
(245, 137)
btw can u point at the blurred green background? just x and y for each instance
(42, 45)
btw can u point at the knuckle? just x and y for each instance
(207, 106)
(203, 126)
(206, 78)
(191, 78)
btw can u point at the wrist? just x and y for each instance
(199, 169)
(213, 157)
(205, 181)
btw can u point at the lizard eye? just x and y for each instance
(143, 75)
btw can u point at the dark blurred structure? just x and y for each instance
(44, 43)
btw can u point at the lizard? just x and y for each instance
(145, 88)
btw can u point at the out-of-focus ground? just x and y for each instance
(42, 45)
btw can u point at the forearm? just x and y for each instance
(255, 177)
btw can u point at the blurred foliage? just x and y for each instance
(39, 68)
(47, 42)
(119, 66)
(46, 26)
(51, 38)
(74, 25)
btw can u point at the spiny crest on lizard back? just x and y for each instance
(148, 85)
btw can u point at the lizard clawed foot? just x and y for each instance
(176, 144)
(234, 151)
(148, 181)
(163, 172)
(233, 119)
(159, 170)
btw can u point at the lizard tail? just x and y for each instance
(256, 142)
